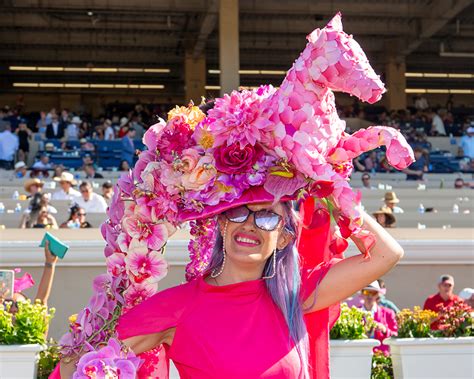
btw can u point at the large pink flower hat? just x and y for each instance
(253, 146)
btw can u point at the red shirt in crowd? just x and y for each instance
(434, 302)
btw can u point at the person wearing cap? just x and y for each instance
(66, 181)
(24, 136)
(128, 147)
(8, 147)
(72, 130)
(383, 301)
(384, 318)
(86, 145)
(445, 296)
(385, 217)
(391, 200)
(466, 144)
(90, 201)
(467, 294)
(33, 186)
(124, 125)
(20, 169)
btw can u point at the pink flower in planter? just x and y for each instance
(146, 265)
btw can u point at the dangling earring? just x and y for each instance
(274, 265)
(215, 274)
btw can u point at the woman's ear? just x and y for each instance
(284, 239)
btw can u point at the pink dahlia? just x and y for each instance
(236, 117)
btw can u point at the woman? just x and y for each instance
(24, 136)
(39, 213)
(76, 220)
(233, 175)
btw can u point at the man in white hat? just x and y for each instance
(66, 181)
(466, 144)
(391, 200)
(20, 169)
(384, 318)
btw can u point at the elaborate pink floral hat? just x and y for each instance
(253, 146)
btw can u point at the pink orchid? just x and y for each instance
(150, 266)
(116, 264)
(136, 293)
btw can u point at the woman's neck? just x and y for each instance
(236, 274)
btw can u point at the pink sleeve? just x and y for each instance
(310, 278)
(157, 313)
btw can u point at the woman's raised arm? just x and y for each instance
(351, 274)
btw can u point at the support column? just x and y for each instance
(229, 59)
(194, 77)
(395, 69)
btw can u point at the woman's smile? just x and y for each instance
(245, 239)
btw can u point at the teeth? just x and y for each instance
(247, 240)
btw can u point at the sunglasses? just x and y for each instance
(369, 293)
(264, 219)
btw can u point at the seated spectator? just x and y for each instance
(77, 219)
(24, 136)
(41, 167)
(128, 147)
(371, 162)
(39, 218)
(20, 170)
(89, 169)
(56, 129)
(416, 169)
(445, 296)
(459, 183)
(384, 318)
(466, 144)
(8, 147)
(385, 217)
(421, 103)
(66, 181)
(437, 125)
(124, 125)
(390, 200)
(72, 130)
(467, 295)
(107, 191)
(41, 125)
(383, 301)
(58, 170)
(90, 201)
(33, 186)
(26, 281)
(86, 146)
(109, 133)
(124, 166)
(366, 182)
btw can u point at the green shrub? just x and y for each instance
(353, 324)
(28, 326)
(381, 366)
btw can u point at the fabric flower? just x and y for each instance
(234, 159)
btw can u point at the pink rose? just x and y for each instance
(189, 160)
(202, 174)
(236, 160)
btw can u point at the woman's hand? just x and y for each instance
(49, 257)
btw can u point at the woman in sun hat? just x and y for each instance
(254, 277)
(385, 217)
(391, 200)
(33, 186)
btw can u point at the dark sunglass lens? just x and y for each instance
(266, 220)
(239, 214)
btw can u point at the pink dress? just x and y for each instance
(232, 331)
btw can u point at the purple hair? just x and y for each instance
(284, 287)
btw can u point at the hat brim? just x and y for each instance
(253, 195)
(73, 181)
(29, 184)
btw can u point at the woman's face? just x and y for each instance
(245, 243)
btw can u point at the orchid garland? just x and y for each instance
(263, 144)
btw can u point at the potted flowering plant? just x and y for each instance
(351, 349)
(22, 337)
(447, 351)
